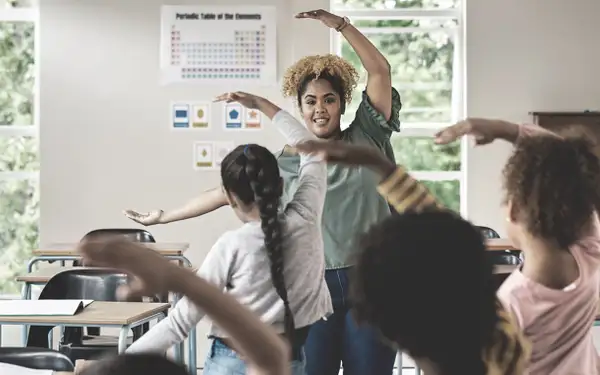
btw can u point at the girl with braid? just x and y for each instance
(273, 264)
(322, 87)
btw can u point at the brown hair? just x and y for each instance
(316, 66)
(554, 183)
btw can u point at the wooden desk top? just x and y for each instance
(42, 275)
(495, 244)
(98, 313)
(70, 249)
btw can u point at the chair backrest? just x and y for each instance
(137, 235)
(37, 359)
(98, 284)
(488, 233)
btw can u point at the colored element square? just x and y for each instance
(203, 155)
(253, 118)
(200, 115)
(233, 116)
(181, 116)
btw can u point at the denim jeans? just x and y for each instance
(339, 339)
(222, 360)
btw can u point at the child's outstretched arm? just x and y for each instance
(264, 350)
(488, 130)
(309, 198)
(206, 202)
(399, 188)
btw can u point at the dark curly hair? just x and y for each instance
(251, 173)
(424, 280)
(554, 186)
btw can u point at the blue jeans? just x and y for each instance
(222, 360)
(339, 339)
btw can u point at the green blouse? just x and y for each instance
(352, 203)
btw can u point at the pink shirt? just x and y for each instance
(559, 322)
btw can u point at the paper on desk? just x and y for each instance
(43, 307)
(8, 369)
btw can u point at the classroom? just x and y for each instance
(98, 117)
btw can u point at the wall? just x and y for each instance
(106, 143)
(524, 56)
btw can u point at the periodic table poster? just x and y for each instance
(218, 44)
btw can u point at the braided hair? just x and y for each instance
(251, 173)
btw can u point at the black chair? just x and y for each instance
(134, 234)
(506, 257)
(98, 284)
(37, 359)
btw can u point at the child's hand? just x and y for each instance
(81, 365)
(152, 273)
(483, 130)
(340, 152)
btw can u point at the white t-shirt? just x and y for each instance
(238, 259)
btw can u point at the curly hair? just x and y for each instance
(428, 260)
(554, 183)
(251, 173)
(320, 66)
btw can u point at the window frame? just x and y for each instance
(29, 13)
(458, 108)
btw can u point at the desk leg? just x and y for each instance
(25, 294)
(122, 345)
(192, 352)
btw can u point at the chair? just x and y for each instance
(37, 359)
(134, 234)
(99, 284)
(506, 257)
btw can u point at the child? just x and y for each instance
(262, 347)
(552, 194)
(444, 314)
(273, 264)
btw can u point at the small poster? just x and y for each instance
(252, 119)
(190, 115)
(208, 155)
(221, 150)
(200, 115)
(203, 155)
(233, 116)
(181, 116)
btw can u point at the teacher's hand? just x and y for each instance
(247, 100)
(330, 20)
(144, 218)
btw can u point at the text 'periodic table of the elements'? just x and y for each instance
(218, 44)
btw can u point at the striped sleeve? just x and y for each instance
(509, 354)
(404, 193)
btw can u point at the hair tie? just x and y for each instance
(246, 150)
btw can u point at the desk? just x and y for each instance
(124, 315)
(41, 277)
(68, 251)
(496, 244)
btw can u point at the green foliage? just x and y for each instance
(422, 71)
(19, 198)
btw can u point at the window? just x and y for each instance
(422, 40)
(19, 160)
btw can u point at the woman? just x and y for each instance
(323, 87)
